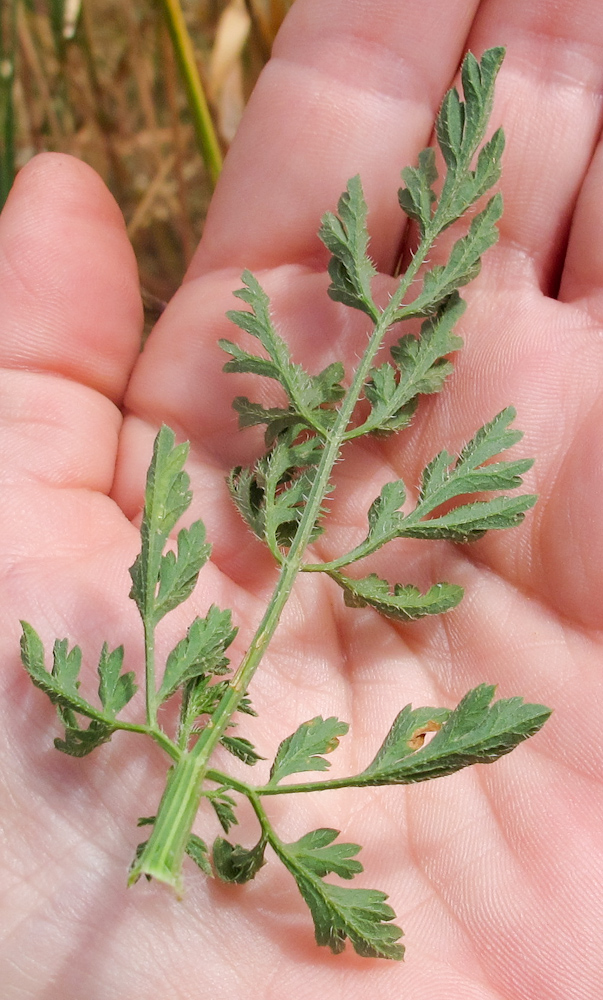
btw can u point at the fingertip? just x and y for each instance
(69, 297)
(71, 182)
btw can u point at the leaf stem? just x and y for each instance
(149, 660)
(251, 791)
(156, 733)
(359, 552)
(164, 851)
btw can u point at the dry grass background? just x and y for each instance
(100, 79)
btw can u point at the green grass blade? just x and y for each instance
(7, 109)
(205, 132)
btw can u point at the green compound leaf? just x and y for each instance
(199, 697)
(179, 572)
(201, 652)
(406, 736)
(272, 496)
(471, 521)
(418, 197)
(146, 820)
(307, 393)
(421, 360)
(275, 418)
(465, 523)
(79, 742)
(258, 323)
(327, 387)
(66, 666)
(62, 684)
(324, 388)
(460, 125)
(420, 367)
(241, 748)
(224, 808)
(403, 603)
(62, 687)
(317, 853)
(248, 497)
(346, 237)
(460, 128)
(390, 410)
(384, 516)
(360, 915)
(463, 264)
(234, 863)
(277, 496)
(302, 750)
(198, 852)
(489, 441)
(167, 497)
(476, 732)
(443, 480)
(193, 666)
(115, 689)
(286, 486)
(285, 506)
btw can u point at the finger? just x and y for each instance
(67, 272)
(582, 280)
(70, 319)
(350, 89)
(547, 100)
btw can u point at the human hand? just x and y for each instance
(494, 872)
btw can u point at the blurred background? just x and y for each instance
(149, 92)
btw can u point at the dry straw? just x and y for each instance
(149, 94)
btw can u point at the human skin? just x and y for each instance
(496, 873)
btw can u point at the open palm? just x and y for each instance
(496, 872)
